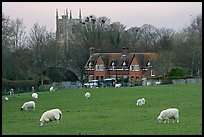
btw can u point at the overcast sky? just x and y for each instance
(176, 15)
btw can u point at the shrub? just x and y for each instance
(176, 73)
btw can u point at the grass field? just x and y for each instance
(110, 111)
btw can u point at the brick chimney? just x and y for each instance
(125, 51)
(91, 50)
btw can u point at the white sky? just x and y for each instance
(176, 15)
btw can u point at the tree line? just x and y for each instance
(26, 56)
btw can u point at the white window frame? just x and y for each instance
(134, 68)
(152, 73)
(100, 67)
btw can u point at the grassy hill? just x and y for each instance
(110, 111)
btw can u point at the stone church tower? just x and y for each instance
(65, 26)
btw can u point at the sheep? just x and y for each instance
(139, 102)
(148, 83)
(52, 89)
(33, 89)
(87, 95)
(11, 92)
(28, 105)
(171, 113)
(6, 98)
(50, 115)
(35, 95)
(117, 85)
(143, 101)
(158, 83)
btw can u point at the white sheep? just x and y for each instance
(158, 83)
(87, 95)
(11, 92)
(35, 95)
(143, 101)
(6, 98)
(171, 113)
(52, 89)
(148, 83)
(50, 115)
(117, 85)
(28, 105)
(139, 102)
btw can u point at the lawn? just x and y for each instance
(109, 111)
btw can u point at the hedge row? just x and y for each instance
(22, 85)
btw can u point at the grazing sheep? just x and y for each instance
(148, 83)
(33, 89)
(139, 102)
(143, 101)
(117, 85)
(50, 115)
(35, 95)
(158, 83)
(6, 98)
(87, 95)
(28, 105)
(52, 89)
(171, 113)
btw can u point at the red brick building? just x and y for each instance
(119, 65)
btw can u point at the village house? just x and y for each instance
(135, 66)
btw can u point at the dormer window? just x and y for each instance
(148, 64)
(124, 64)
(90, 66)
(113, 65)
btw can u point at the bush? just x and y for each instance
(176, 73)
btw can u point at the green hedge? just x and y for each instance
(21, 85)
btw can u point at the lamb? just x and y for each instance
(139, 102)
(52, 89)
(158, 83)
(87, 95)
(142, 101)
(35, 95)
(148, 83)
(50, 115)
(117, 85)
(6, 98)
(171, 113)
(28, 105)
(11, 92)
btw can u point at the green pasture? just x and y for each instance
(110, 111)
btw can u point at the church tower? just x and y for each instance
(65, 26)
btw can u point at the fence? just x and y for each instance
(61, 85)
(174, 81)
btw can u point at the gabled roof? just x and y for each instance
(119, 58)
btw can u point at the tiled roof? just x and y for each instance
(119, 58)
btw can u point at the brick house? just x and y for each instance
(100, 66)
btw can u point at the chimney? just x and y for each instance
(91, 50)
(125, 51)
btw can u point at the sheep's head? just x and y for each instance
(159, 119)
(41, 122)
(21, 109)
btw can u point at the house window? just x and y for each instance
(113, 65)
(124, 64)
(90, 66)
(99, 67)
(152, 73)
(134, 67)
